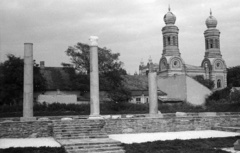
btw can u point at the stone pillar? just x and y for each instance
(153, 98)
(94, 79)
(28, 83)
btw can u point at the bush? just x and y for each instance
(206, 82)
(220, 94)
(235, 97)
(34, 150)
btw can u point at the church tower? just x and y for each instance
(171, 62)
(213, 62)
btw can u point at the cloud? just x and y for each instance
(132, 28)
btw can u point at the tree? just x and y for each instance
(110, 69)
(233, 76)
(80, 57)
(11, 80)
(206, 82)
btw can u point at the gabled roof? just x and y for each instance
(146, 93)
(192, 67)
(136, 82)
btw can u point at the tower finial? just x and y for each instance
(169, 9)
(210, 11)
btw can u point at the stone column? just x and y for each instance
(153, 98)
(28, 83)
(94, 78)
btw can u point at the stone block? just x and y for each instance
(27, 119)
(181, 114)
(66, 119)
(128, 130)
(43, 119)
(106, 116)
(95, 117)
(208, 114)
(5, 121)
(116, 116)
(129, 116)
(237, 145)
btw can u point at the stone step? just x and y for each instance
(229, 129)
(77, 125)
(96, 150)
(78, 132)
(77, 128)
(77, 122)
(96, 145)
(81, 137)
(104, 145)
(106, 151)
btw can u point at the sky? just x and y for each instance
(129, 27)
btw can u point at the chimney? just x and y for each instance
(42, 65)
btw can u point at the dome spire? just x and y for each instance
(169, 18)
(211, 21)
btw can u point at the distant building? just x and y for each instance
(213, 65)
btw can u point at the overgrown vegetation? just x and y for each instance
(34, 150)
(11, 80)
(233, 76)
(57, 109)
(212, 145)
(206, 82)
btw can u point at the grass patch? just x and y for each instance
(211, 145)
(34, 150)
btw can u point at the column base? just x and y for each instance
(95, 117)
(28, 119)
(155, 115)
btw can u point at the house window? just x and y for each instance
(146, 100)
(138, 99)
(219, 85)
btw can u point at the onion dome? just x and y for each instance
(211, 21)
(169, 18)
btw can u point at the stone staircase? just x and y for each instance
(225, 128)
(85, 136)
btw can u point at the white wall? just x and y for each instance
(196, 92)
(57, 98)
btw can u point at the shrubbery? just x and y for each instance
(34, 150)
(215, 103)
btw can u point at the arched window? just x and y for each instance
(211, 43)
(216, 43)
(169, 40)
(174, 40)
(206, 44)
(164, 41)
(219, 84)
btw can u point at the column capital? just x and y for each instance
(28, 43)
(93, 40)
